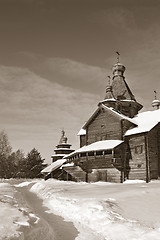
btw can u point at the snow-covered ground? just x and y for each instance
(12, 215)
(105, 211)
(99, 211)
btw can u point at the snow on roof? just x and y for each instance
(127, 100)
(100, 145)
(120, 114)
(81, 132)
(108, 100)
(67, 165)
(53, 166)
(58, 155)
(145, 121)
(57, 149)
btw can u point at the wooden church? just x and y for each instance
(117, 142)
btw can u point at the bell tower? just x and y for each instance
(62, 149)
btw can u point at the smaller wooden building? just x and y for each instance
(61, 151)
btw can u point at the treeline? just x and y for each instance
(16, 164)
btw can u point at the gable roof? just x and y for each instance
(112, 111)
(145, 122)
(120, 115)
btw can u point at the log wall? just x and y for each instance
(137, 162)
(105, 126)
(154, 151)
(106, 175)
(158, 139)
(82, 140)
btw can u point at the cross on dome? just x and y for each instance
(118, 57)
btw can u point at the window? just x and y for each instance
(108, 152)
(98, 153)
(139, 149)
(90, 153)
(83, 154)
(139, 165)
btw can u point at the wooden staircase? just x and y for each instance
(76, 172)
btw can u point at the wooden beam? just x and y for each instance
(147, 159)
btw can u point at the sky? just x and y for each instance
(55, 56)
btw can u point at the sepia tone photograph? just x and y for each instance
(80, 119)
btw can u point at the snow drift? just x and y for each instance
(104, 211)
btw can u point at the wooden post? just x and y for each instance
(87, 167)
(103, 155)
(158, 145)
(122, 176)
(147, 159)
(112, 153)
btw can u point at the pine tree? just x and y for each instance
(34, 164)
(16, 164)
(5, 151)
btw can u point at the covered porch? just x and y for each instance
(102, 160)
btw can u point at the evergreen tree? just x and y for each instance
(16, 164)
(34, 164)
(5, 151)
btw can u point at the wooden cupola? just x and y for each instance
(118, 94)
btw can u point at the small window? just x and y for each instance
(108, 152)
(83, 154)
(90, 153)
(139, 165)
(98, 153)
(139, 149)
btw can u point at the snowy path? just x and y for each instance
(23, 217)
(49, 226)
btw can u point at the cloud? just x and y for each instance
(34, 109)
(38, 101)
(65, 71)
(71, 73)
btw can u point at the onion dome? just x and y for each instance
(109, 94)
(63, 138)
(156, 103)
(118, 69)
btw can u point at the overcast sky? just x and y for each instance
(55, 57)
